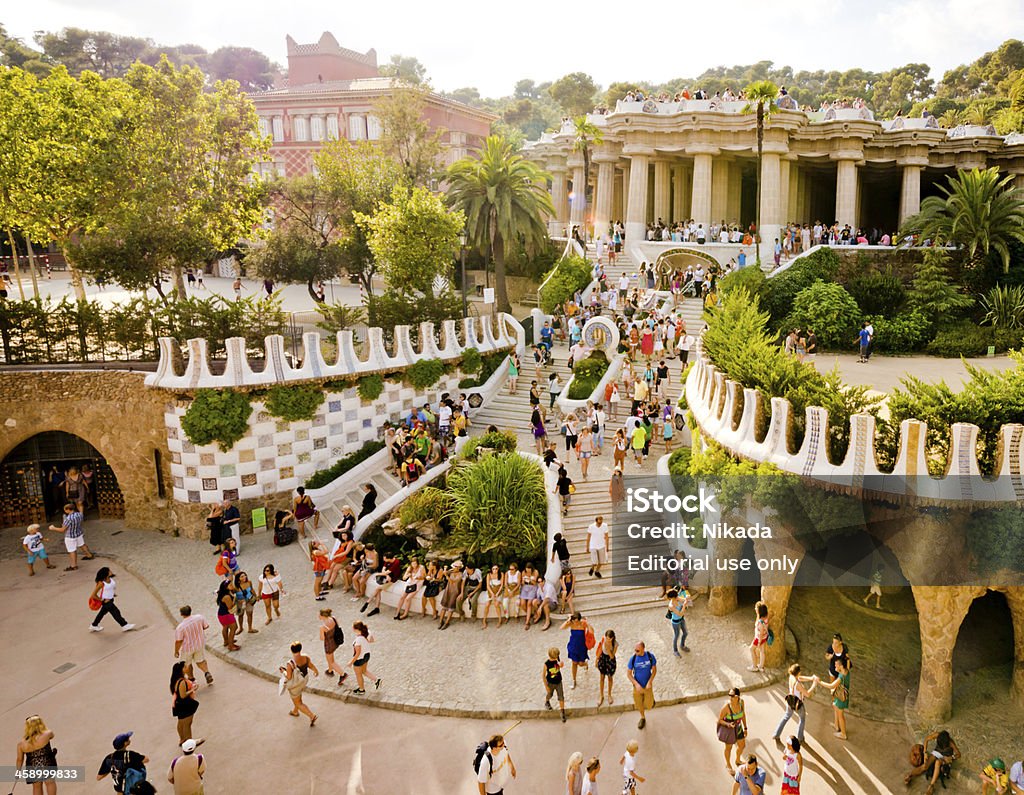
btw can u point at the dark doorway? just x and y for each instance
(983, 656)
(31, 478)
(749, 593)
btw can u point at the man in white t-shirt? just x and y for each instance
(1017, 778)
(597, 543)
(590, 777)
(444, 419)
(623, 286)
(496, 767)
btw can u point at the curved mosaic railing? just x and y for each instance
(714, 401)
(237, 373)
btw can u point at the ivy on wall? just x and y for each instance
(294, 403)
(215, 415)
(424, 373)
(370, 387)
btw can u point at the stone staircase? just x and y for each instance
(380, 476)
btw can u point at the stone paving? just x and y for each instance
(464, 670)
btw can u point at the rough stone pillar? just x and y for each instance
(722, 594)
(603, 208)
(560, 198)
(721, 168)
(846, 192)
(700, 201)
(940, 611)
(1015, 598)
(777, 599)
(662, 190)
(910, 196)
(735, 202)
(678, 193)
(636, 211)
(578, 205)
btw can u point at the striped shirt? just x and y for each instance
(73, 525)
(191, 633)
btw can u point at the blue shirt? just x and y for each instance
(73, 525)
(545, 333)
(865, 337)
(641, 666)
(758, 778)
(742, 259)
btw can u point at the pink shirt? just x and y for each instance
(191, 633)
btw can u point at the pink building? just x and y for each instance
(329, 94)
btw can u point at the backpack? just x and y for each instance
(132, 776)
(483, 750)
(220, 568)
(916, 755)
(339, 634)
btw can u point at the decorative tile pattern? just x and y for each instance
(179, 483)
(265, 440)
(207, 460)
(231, 494)
(191, 472)
(193, 496)
(172, 432)
(264, 417)
(286, 472)
(319, 421)
(282, 426)
(187, 446)
(209, 484)
(175, 458)
(334, 405)
(227, 470)
(284, 449)
(302, 435)
(304, 458)
(267, 464)
(249, 480)
(320, 443)
(246, 456)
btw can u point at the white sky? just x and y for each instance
(492, 45)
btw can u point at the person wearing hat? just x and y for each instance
(186, 771)
(994, 776)
(122, 760)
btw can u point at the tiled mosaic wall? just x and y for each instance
(276, 455)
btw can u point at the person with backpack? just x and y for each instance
(493, 766)
(333, 636)
(641, 670)
(125, 767)
(186, 771)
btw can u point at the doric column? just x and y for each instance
(735, 200)
(846, 191)
(636, 211)
(792, 183)
(720, 170)
(578, 201)
(603, 203)
(700, 197)
(910, 196)
(1018, 182)
(678, 193)
(559, 197)
(625, 193)
(662, 190)
(770, 200)
(617, 198)
(803, 205)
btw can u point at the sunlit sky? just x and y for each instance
(492, 45)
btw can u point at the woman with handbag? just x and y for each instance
(585, 449)
(415, 574)
(245, 600)
(184, 705)
(332, 636)
(432, 583)
(294, 676)
(226, 614)
(795, 698)
(581, 638)
(102, 600)
(732, 728)
(840, 687)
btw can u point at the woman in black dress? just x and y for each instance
(369, 500)
(184, 706)
(35, 752)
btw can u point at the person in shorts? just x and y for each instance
(190, 642)
(74, 536)
(33, 546)
(552, 675)
(597, 545)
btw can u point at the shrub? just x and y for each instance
(586, 375)
(216, 415)
(684, 483)
(424, 373)
(964, 338)
(472, 361)
(489, 363)
(427, 503)
(343, 465)
(370, 387)
(569, 275)
(750, 278)
(498, 508)
(904, 333)
(1004, 307)
(777, 294)
(828, 309)
(294, 403)
(499, 441)
(877, 292)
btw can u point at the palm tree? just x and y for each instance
(979, 213)
(585, 133)
(951, 118)
(505, 199)
(761, 96)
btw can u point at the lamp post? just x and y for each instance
(462, 253)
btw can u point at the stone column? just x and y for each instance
(1018, 182)
(678, 193)
(625, 194)
(846, 192)
(700, 201)
(734, 204)
(636, 211)
(792, 188)
(777, 599)
(560, 198)
(1015, 599)
(803, 206)
(662, 190)
(617, 198)
(771, 199)
(910, 196)
(578, 204)
(720, 170)
(603, 203)
(941, 611)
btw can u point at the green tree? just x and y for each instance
(505, 199)
(405, 68)
(406, 135)
(828, 309)
(360, 175)
(933, 291)
(250, 68)
(14, 52)
(574, 93)
(413, 239)
(760, 100)
(979, 212)
(617, 91)
(106, 54)
(185, 190)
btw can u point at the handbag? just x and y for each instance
(595, 428)
(94, 603)
(572, 488)
(410, 588)
(588, 638)
(793, 702)
(728, 734)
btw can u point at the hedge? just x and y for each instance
(343, 465)
(569, 275)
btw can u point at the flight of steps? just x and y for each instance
(385, 483)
